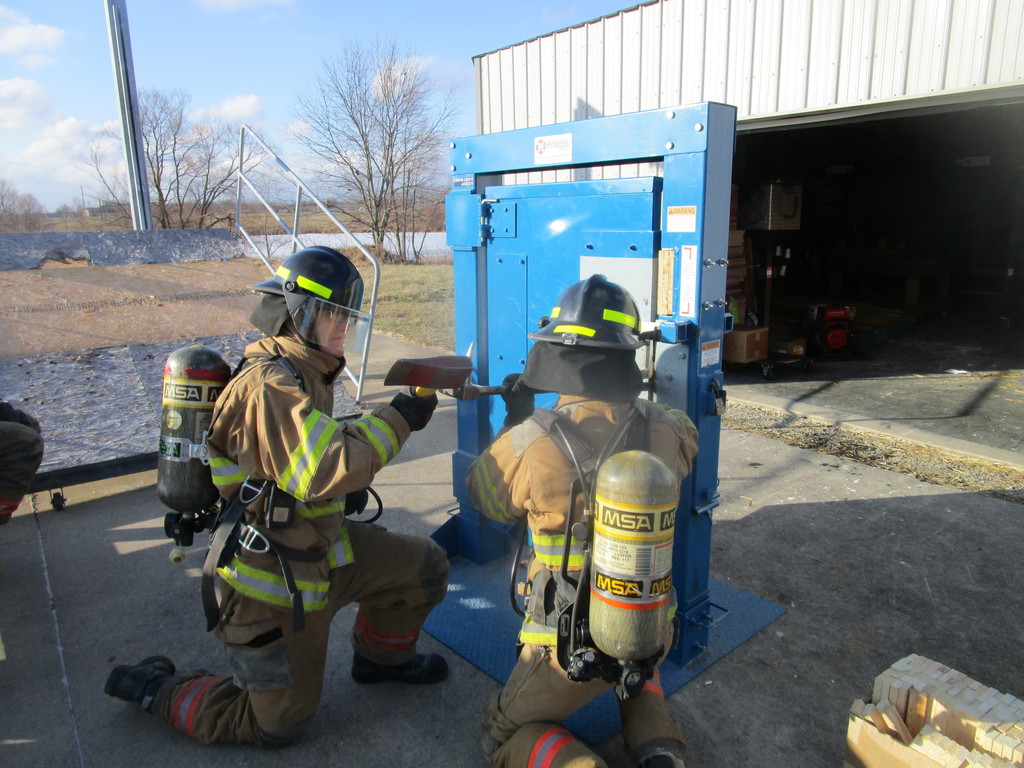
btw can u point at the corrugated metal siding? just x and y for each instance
(769, 58)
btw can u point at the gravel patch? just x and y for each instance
(924, 462)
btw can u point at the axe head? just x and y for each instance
(444, 372)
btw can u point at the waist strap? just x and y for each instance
(229, 536)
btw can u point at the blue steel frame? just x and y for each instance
(685, 234)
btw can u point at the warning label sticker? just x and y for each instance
(688, 281)
(710, 353)
(681, 218)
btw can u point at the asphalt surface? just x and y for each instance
(869, 566)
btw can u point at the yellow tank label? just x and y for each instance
(187, 393)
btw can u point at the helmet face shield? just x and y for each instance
(333, 328)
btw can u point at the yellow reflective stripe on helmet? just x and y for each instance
(380, 435)
(341, 553)
(549, 549)
(582, 331)
(270, 587)
(283, 272)
(225, 472)
(555, 312)
(537, 634)
(313, 287)
(494, 509)
(619, 317)
(317, 430)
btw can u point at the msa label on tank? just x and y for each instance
(552, 150)
(632, 589)
(188, 393)
(632, 541)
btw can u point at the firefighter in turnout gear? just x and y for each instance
(586, 352)
(296, 561)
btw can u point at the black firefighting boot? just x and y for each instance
(421, 668)
(140, 682)
(662, 761)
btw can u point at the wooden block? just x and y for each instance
(867, 747)
(894, 722)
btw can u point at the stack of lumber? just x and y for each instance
(923, 714)
(739, 281)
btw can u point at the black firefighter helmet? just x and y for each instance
(588, 345)
(594, 312)
(319, 283)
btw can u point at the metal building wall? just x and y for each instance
(777, 61)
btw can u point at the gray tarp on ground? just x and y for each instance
(104, 249)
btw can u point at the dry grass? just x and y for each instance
(415, 302)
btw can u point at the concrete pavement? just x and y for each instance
(870, 566)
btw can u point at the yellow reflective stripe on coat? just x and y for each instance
(317, 430)
(537, 634)
(495, 510)
(341, 553)
(549, 549)
(311, 512)
(380, 435)
(225, 472)
(270, 587)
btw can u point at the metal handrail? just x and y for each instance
(293, 233)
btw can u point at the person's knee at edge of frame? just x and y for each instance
(547, 744)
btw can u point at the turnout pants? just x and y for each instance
(278, 673)
(525, 719)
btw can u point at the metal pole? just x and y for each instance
(124, 79)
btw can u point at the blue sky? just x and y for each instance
(246, 60)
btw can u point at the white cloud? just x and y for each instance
(237, 109)
(62, 145)
(20, 37)
(297, 129)
(23, 102)
(55, 165)
(237, 5)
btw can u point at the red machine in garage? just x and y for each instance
(830, 328)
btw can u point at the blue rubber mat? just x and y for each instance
(476, 621)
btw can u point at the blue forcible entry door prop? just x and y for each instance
(663, 236)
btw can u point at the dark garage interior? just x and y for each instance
(886, 226)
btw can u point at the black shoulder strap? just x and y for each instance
(279, 359)
(566, 436)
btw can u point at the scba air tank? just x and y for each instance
(631, 574)
(193, 378)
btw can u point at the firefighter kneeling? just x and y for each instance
(287, 561)
(596, 480)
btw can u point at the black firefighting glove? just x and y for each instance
(356, 501)
(415, 410)
(518, 400)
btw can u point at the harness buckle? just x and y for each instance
(249, 539)
(250, 492)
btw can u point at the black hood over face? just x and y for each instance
(270, 314)
(611, 375)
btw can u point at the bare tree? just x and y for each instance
(19, 212)
(378, 124)
(190, 164)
